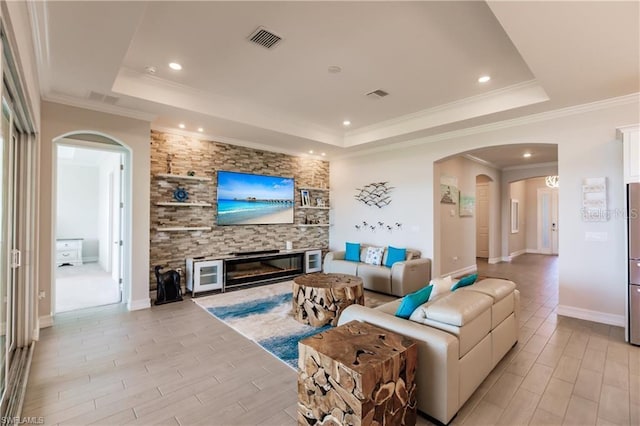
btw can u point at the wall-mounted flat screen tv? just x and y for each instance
(250, 199)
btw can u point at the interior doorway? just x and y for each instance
(482, 216)
(89, 224)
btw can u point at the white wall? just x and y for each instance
(586, 148)
(458, 234)
(78, 207)
(518, 240)
(412, 185)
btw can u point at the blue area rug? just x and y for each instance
(263, 314)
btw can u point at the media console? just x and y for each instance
(239, 269)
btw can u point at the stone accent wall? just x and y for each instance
(170, 249)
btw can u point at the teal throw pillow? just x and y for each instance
(395, 255)
(465, 281)
(411, 301)
(353, 252)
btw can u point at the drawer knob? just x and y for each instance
(65, 254)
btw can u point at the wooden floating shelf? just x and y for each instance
(309, 225)
(178, 204)
(314, 189)
(183, 228)
(185, 177)
(314, 207)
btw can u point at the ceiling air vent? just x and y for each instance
(111, 99)
(377, 94)
(101, 97)
(264, 38)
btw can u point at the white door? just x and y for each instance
(482, 220)
(548, 226)
(117, 208)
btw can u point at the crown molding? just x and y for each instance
(633, 98)
(233, 141)
(481, 161)
(444, 107)
(154, 89)
(515, 96)
(95, 106)
(531, 166)
(620, 131)
(39, 16)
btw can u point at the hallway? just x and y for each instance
(536, 276)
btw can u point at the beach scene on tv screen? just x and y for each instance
(249, 199)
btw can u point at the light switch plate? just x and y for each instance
(596, 236)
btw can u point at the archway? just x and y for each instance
(109, 161)
(455, 237)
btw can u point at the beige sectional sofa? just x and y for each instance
(402, 278)
(461, 336)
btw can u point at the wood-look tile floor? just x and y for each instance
(175, 364)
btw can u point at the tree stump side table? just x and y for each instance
(319, 299)
(357, 374)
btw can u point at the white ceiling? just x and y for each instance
(506, 156)
(428, 55)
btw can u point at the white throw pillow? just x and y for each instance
(374, 256)
(440, 286)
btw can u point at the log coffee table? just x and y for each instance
(357, 374)
(319, 299)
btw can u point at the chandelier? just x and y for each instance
(552, 181)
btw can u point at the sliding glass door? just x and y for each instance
(18, 215)
(4, 258)
(9, 255)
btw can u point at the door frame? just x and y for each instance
(126, 212)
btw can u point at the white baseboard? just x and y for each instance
(136, 305)
(533, 251)
(494, 260)
(517, 253)
(505, 258)
(45, 321)
(462, 271)
(595, 316)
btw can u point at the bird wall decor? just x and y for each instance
(375, 194)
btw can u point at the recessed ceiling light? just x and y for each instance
(323, 154)
(181, 125)
(526, 155)
(484, 79)
(334, 69)
(310, 151)
(200, 129)
(346, 123)
(175, 66)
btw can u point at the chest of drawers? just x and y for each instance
(68, 252)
